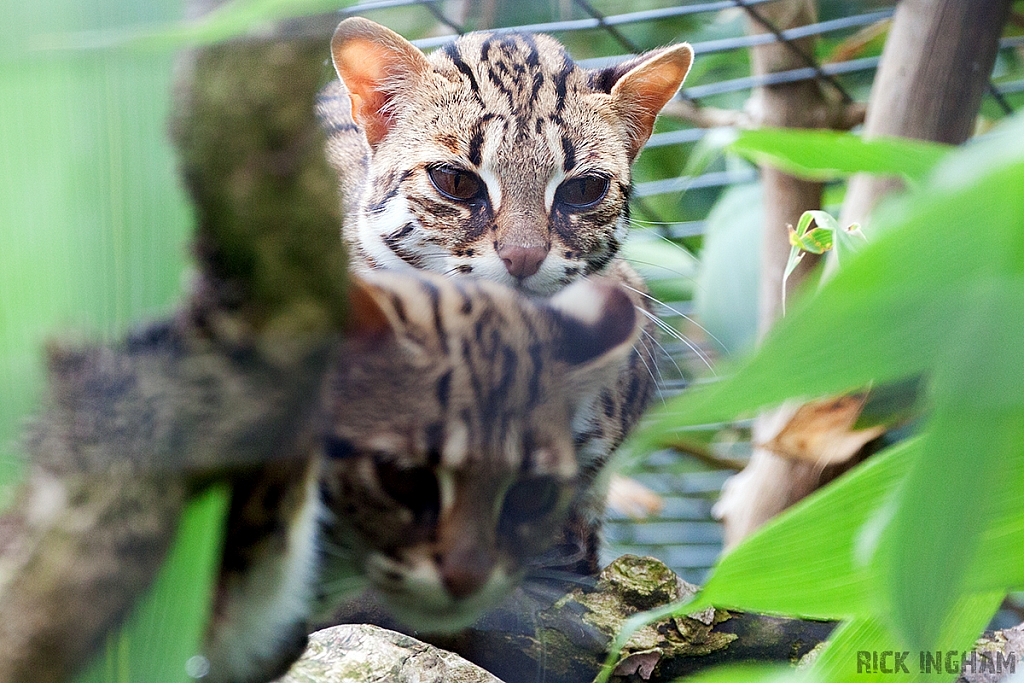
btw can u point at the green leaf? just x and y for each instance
(821, 154)
(816, 241)
(925, 298)
(848, 240)
(168, 625)
(871, 634)
(975, 431)
(822, 350)
(792, 566)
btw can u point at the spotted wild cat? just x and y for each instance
(441, 439)
(498, 156)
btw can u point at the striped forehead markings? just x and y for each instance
(476, 139)
(452, 52)
(568, 154)
(562, 81)
(508, 42)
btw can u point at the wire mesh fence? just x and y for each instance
(850, 34)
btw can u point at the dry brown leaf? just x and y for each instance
(638, 663)
(821, 432)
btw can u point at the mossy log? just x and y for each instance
(565, 636)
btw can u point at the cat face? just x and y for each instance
(450, 465)
(497, 155)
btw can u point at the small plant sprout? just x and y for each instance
(826, 236)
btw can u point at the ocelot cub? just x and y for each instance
(440, 442)
(498, 156)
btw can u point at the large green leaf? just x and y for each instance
(824, 154)
(929, 296)
(793, 566)
(999, 564)
(975, 432)
(871, 634)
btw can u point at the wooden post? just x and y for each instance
(771, 483)
(934, 71)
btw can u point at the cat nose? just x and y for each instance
(466, 573)
(522, 262)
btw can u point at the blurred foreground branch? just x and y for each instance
(230, 382)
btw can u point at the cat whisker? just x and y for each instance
(658, 265)
(682, 315)
(686, 251)
(640, 221)
(540, 578)
(672, 360)
(665, 327)
(643, 360)
(559, 556)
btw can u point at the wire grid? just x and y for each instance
(684, 535)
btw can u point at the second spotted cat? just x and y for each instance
(441, 442)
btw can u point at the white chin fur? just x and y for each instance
(420, 601)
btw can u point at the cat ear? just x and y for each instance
(598, 323)
(371, 316)
(373, 62)
(641, 86)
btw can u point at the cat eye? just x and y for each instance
(529, 500)
(583, 192)
(454, 183)
(414, 488)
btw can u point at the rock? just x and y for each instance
(359, 653)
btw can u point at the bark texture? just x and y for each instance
(771, 483)
(934, 72)
(561, 634)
